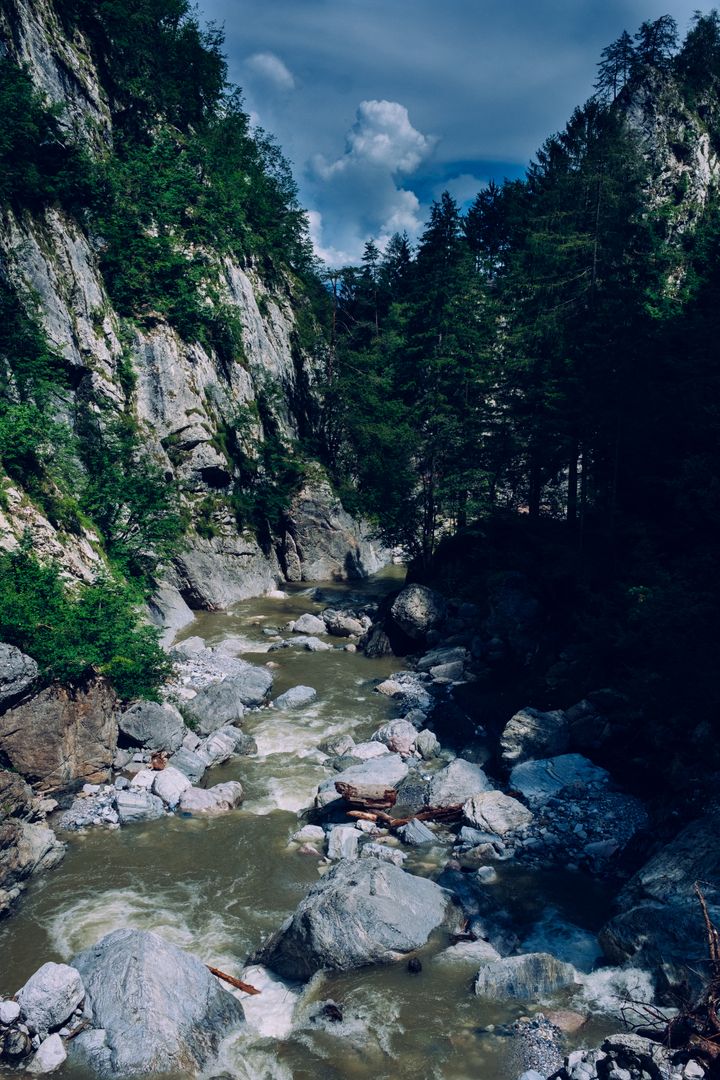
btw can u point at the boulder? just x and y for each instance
(398, 735)
(448, 672)
(138, 805)
(309, 624)
(368, 779)
(160, 1008)
(457, 783)
(62, 735)
(365, 751)
(416, 833)
(50, 997)
(537, 781)
(496, 813)
(362, 912)
(223, 744)
(189, 763)
(49, 1056)
(383, 852)
(154, 726)
(427, 744)
(532, 734)
(9, 1012)
(341, 624)
(468, 953)
(169, 784)
(18, 672)
(416, 610)
(343, 842)
(524, 977)
(295, 697)
(214, 800)
(451, 655)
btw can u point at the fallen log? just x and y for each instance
(433, 813)
(237, 983)
(369, 797)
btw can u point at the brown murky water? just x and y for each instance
(217, 886)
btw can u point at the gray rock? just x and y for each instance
(309, 624)
(50, 996)
(216, 705)
(457, 783)
(189, 763)
(427, 744)
(448, 672)
(138, 805)
(383, 852)
(223, 744)
(214, 800)
(49, 1057)
(537, 781)
(9, 1012)
(154, 726)
(532, 734)
(494, 812)
(452, 655)
(169, 611)
(18, 672)
(416, 833)
(314, 644)
(295, 698)
(524, 977)
(343, 842)
(469, 953)
(416, 610)
(341, 624)
(372, 776)
(169, 784)
(398, 735)
(362, 912)
(161, 1009)
(309, 834)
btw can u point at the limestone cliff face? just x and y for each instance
(183, 395)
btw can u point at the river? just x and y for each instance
(217, 886)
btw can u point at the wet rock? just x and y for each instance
(427, 744)
(309, 834)
(14, 1046)
(398, 735)
(486, 875)
(416, 833)
(337, 745)
(343, 842)
(342, 624)
(496, 813)
(295, 698)
(138, 805)
(362, 912)
(62, 735)
(537, 781)
(470, 954)
(160, 1008)
(416, 610)
(169, 784)
(189, 763)
(50, 1056)
(314, 644)
(524, 977)
(448, 672)
(223, 744)
(457, 783)
(452, 655)
(309, 624)
(532, 734)
(50, 997)
(18, 673)
(154, 726)
(368, 779)
(214, 800)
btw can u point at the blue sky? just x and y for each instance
(381, 104)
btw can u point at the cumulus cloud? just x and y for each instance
(463, 187)
(358, 193)
(269, 69)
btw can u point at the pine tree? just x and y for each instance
(615, 67)
(657, 42)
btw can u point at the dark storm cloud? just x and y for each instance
(382, 103)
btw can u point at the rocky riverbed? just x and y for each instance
(289, 815)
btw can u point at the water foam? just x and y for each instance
(271, 1012)
(607, 989)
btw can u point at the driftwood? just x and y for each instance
(370, 798)
(237, 983)
(433, 813)
(158, 760)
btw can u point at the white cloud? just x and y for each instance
(358, 194)
(463, 187)
(267, 68)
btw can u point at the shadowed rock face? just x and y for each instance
(62, 735)
(17, 674)
(362, 912)
(161, 1010)
(24, 847)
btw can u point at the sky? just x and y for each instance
(380, 105)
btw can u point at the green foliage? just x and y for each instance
(126, 495)
(96, 626)
(27, 363)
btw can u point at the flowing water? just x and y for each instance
(218, 886)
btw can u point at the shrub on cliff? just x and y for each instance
(68, 632)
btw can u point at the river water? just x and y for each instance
(217, 886)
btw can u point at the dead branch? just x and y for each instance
(237, 983)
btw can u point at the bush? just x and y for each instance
(68, 633)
